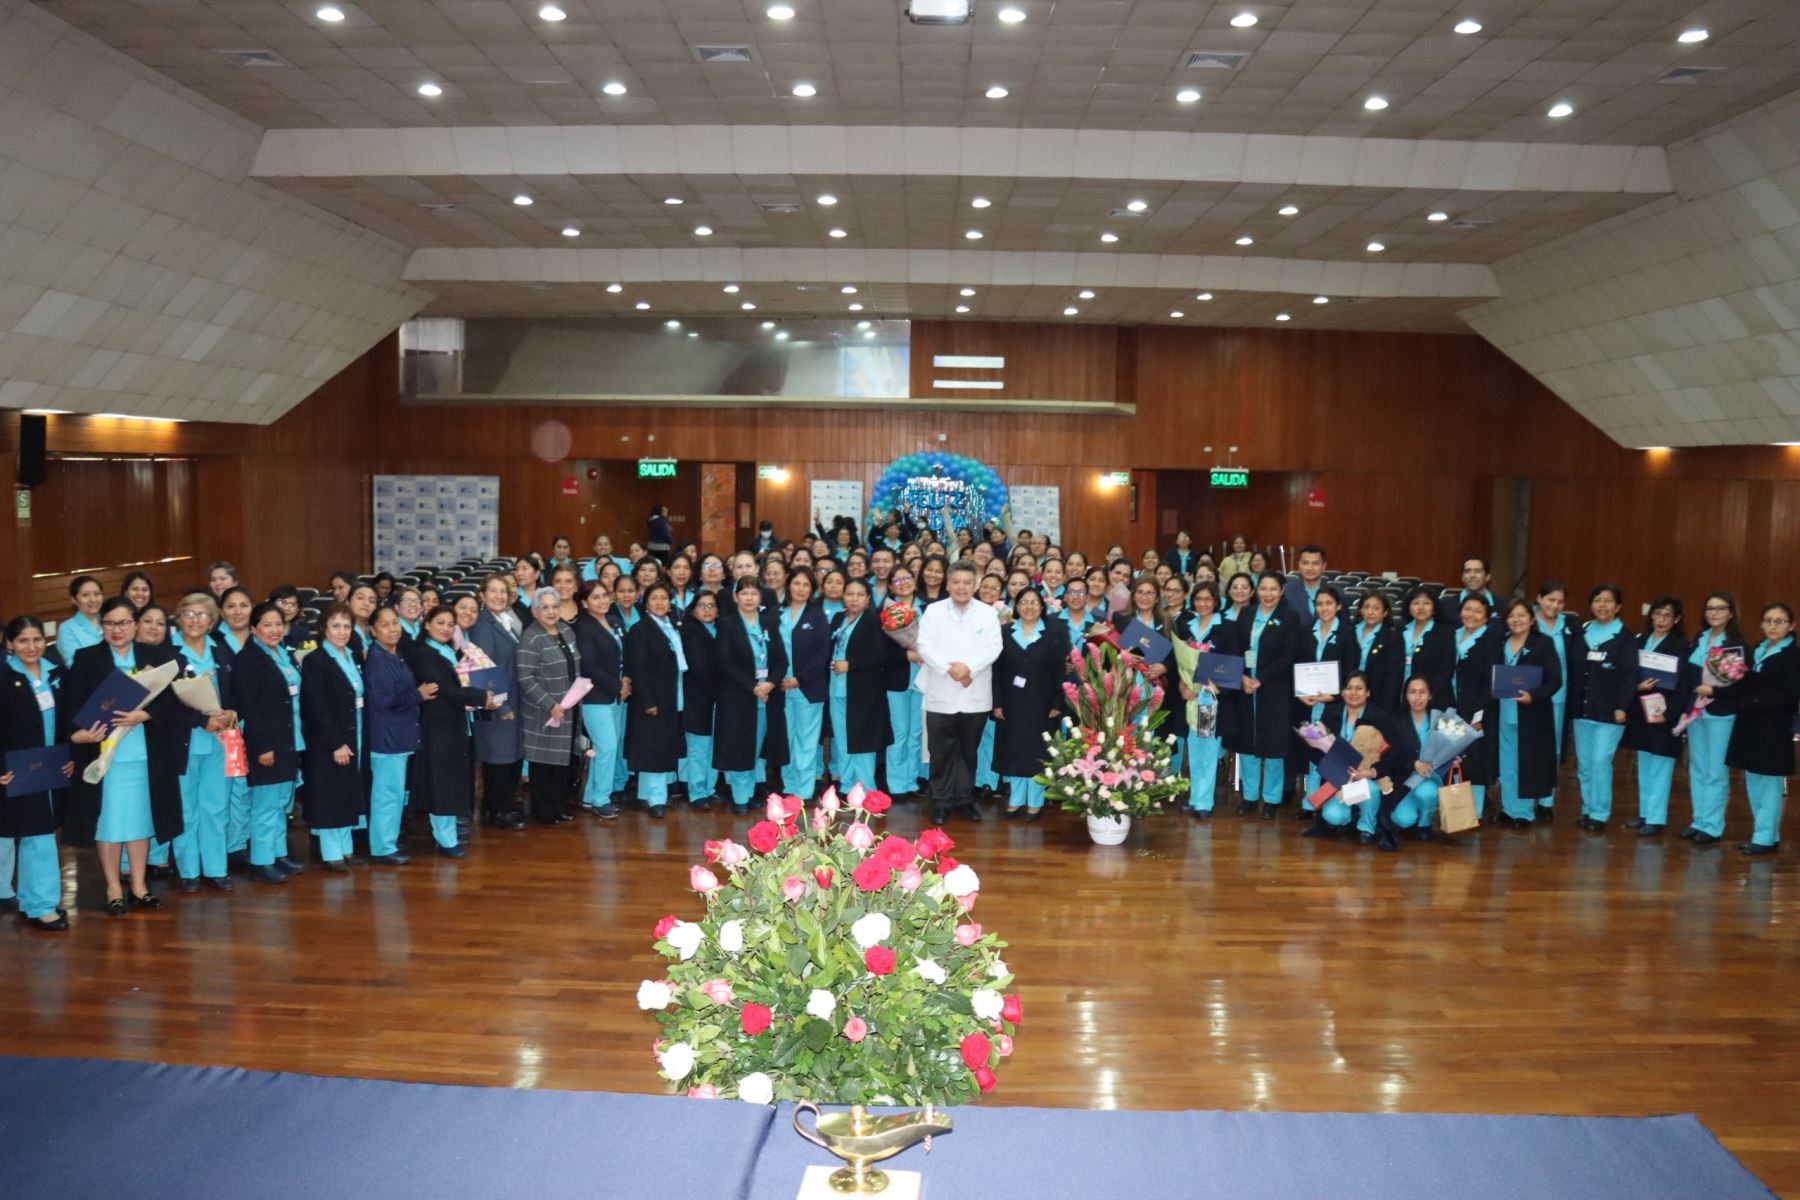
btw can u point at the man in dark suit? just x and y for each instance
(1475, 576)
(1300, 593)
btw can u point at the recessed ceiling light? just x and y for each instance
(1109, 237)
(966, 292)
(730, 289)
(996, 92)
(1288, 210)
(1437, 216)
(962, 308)
(614, 288)
(522, 200)
(1085, 294)
(856, 308)
(1688, 36)
(1178, 314)
(1071, 311)
(1243, 20)
(1012, 16)
(1204, 296)
(1467, 26)
(703, 231)
(1561, 109)
(868, 333)
(571, 231)
(1136, 205)
(1376, 247)
(1282, 317)
(1187, 95)
(692, 333)
(334, 15)
(862, 324)
(673, 201)
(827, 199)
(430, 89)
(671, 324)
(642, 304)
(974, 235)
(780, 12)
(805, 89)
(849, 289)
(1246, 240)
(748, 306)
(980, 202)
(768, 324)
(781, 335)
(1375, 103)
(1321, 299)
(615, 88)
(837, 233)
(552, 13)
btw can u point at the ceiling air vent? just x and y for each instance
(722, 54)
(442, 210)
(1214, 60)
(1466, 223)
(255, 58)
(1690, 75)
(780, 208)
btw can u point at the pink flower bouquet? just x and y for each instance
(581, 687)
(1723, 668)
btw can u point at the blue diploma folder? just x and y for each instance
(117, 693)
(39, 769)
(490, 679)
(1664, 675)
(1338, 762)
(1221, 670)
(1510, 681)
(1145, 642)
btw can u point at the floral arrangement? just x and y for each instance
(1445, 742)
(832, 965)
(900, 621)
(1108, 760)
(1724, 667)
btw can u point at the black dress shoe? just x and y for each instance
(395, 859)
(237, 860)
(1009, 812)
(451, 852)
(116, 908)
(1305, 812)
(1545, 813)
(610, 812)
(658, 811)
(1636, 823)
(220, 883)
(148, 900)
(55, 923)
(1365, 839)
(938, 815)
(1756, 848)
(1687, 835)
(704, 804)
(1426, 834)
(1270, 811)
(1246, 807)
(1593, 825)
(9, 904)
(1034, 815)
(1704, 839)
(269, 874)
(1647, 830)
(1201, 814)
(159, 871)
(189, 886)
(504, 821)
(972, 811)
(336, 866)
(737, 810)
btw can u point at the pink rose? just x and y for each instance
(856, 1029)
(855, 798)
(702, 880)
(726, 853)
(910, 879)
(1147, 776)
(967, 901)
(718, 991)
(859, 835)
(821, 820)
(776, 807)
(663, 926)
(703, 1091)
(829, 801)
(968, 935)
(792, 888)
(1003, 1044)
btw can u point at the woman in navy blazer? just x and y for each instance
(392, 696)
(1427, 644)
(1376, 652)
(1522, 725)
(1468, 680)
(858, 697)
(1342, 718)
(600, 648)
(653, 733)
(1271, 637)
(331, 724)
(1182, 555)
(805, 635)
(266, 694)
(1603, 663)
(749, 734)
(29, 684)
(1655, 741)
(1329, 638)
(699, 636)
(1762, 741)
(1710, 734)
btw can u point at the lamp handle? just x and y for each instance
(810, 1135)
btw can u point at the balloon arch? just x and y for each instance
(902, 482)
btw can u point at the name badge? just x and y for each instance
(1018, 681)
(359, 701)
(762, 674)
(45, 700)
(1596, 656)
(293, 689)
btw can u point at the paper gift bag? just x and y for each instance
(237, 759)
(1456, 807)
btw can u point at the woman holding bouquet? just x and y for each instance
(806, 650)
(200, 850)
(1034, 658)
(1415, 806)
(1202, 630)
(1710, 733)
(698, 776)
(1271, 642)
(331, 725)
(443, 777)
(547, 666)
(265, 690)
(1468, 680)
(1653, 737)
(1428, 645)
(859, 724)
(655, 661)
(906, 707)
(1524, 724)
(230, 636)
(1378, 653)
(499, 744)
(1605, 669)
(1762, 741)
(749, 736)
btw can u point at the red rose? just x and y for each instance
(984, 1079)
(755, 1018)
(877, 802)
(976, 1050)
(879, 960)
(1012, 1009)
(822, 876)
(790, 827)
(871, 874)
(946, 864)
(896, 852)
(663, 926)
(934, 842)
(764, 836)
(712, 851)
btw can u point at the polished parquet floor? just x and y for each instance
(1232, 965)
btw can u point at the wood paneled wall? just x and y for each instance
(1406, 434)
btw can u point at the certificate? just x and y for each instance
(1223, 671)
(117, 694)
(1663, 668)
(37, 770)
(1509, 681)
(1316, 679)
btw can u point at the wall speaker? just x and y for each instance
(31, 449)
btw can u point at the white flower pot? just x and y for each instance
(1108, 831)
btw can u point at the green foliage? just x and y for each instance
(1108, 760)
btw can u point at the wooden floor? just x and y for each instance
(1233, 965)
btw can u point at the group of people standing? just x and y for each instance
(887, 664)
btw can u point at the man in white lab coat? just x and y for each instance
(959, 639)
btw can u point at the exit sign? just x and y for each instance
(1230, 477)
(656, 468)
(768, 471)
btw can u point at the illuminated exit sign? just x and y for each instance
(656, 468)
(1230, 477)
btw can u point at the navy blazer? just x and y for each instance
(602, 660)
(390, 703)
(811, 661)
(266, 709)
(1600, 688)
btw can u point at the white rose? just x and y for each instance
(986, 1004)
(999, 970)
(871, 930)
(821, 1004)
(731, 937)
(936, 892)
(962, 881)
(755, 1088)
(686, 938)
(654, 995)
(930, 971)
(677, 1060)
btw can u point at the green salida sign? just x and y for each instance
(1231, 477)
(656, 468)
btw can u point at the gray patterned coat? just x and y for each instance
(544, 674)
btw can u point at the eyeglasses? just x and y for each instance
(125, 624)
(1718, 608)
(193, 614)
